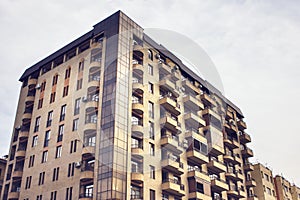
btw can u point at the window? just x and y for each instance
(66, 91)
(73, 146)
(58, 151)
(37, 124)
(75, 124)
(40, 103)
(60, 133)
(34, 140)
(53, 195)
(69, 192)
(62, 113)
(151, 130)
(41, 178)
(77, 106)
(152, 194)
(43, 86)
(269, 191)
(28, 182)
(71, 169)
(152, 149)
(49, 119)
(52, 97)
(150, 88)
(200, 187)
(54, 80)
(81, 66)
(266, 177)
(31, 161)
(152, 172)
(151, 109)
(150, 69)
(68, 73)
(44, 156)
(150, 54)
(88, 191)
(39, 197)
(79, 84)
(47, 138)
(55, 174)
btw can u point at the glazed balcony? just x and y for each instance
(250, 182)
(216, 166)
(207, 100)
(196, 173)
(197, 156)
(172, 165)
(169, 104)
(192, 102)
(247, 152)
(168, 85)
(173, 187)
(248, 167)
(193, 119)
(137, 177)
(242, 125)
(190, 87)
(244, 138)
(199, 195)
(218, 185)
(171, 142)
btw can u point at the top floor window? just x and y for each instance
(150, 54)
(96, 55)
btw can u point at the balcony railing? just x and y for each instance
(173, 181)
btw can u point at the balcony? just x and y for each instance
(169, 86)
(194, 120)
(207, 100)
(170, 105)
(231, 142)
(173, 187)
(169, 122)
(250, 182)
(190, 87)
(252, 197)
(32, 81)
(242, 193)
(193, 103)
(91, 106)
(23, 135)
(230, 128)
(218, 185)
(229, 158)
(87, 175)
(197, 156)
(137, 86)
(138, 107)
(137, 177)
(247, 152)
(211, 113)
(216, 166)
(29, 99)
(172, 165)
(85, 197)
(199, 195)
(164, 69)
(248, 167)
(244, 138)
(17, 174)
(230, 174)
(232, 192)
(242, 125)
(26, 116)
(137, 130)
(239, 175)
(171, 142)
(20, 153)
(88, 150)
(138, 68)
(137, 152)
(198, 174)
(90, 126)
(195, 133)
(13, 195)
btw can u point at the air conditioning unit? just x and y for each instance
(38, 86)
(78, 164)
(84, 99)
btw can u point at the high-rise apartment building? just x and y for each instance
(2, 172)
(283, 188)
(114, 115)
(265, 187)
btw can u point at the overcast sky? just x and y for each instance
(254, 45)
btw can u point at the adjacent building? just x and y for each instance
(114, 115)
(3, 162)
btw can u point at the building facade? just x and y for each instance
(114, 115)
(3, 162)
